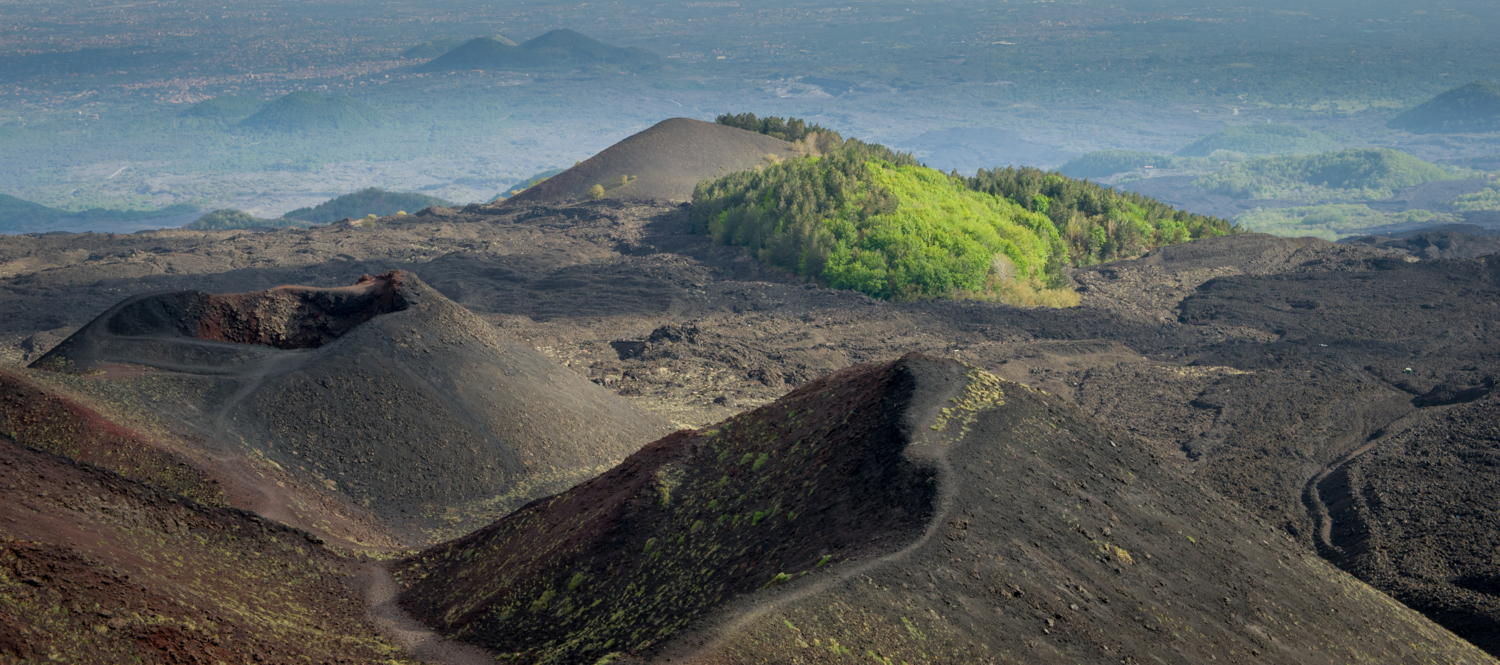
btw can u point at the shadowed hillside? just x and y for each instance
(663, 162)
(307, 112)
(227, 109)
(1471, 108)
(915, 511)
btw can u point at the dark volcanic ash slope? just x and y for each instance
(912, 511)
(1240, 393)
(98, 569)
(664, 162)
(1413, 514)
(385, 392)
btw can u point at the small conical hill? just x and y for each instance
(385, 393)
(1471, 108)
(666, 161)
(306, 112)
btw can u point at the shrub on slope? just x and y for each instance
(788, 129)
(1355, 174)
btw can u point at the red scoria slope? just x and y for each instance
(910, 511)
(95, 568)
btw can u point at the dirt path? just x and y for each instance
(394, 623)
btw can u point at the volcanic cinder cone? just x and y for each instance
(384, 392)
(916, 511)
(665, 161)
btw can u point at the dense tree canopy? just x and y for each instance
(1099, 223)
(786, 129)
(861, 216)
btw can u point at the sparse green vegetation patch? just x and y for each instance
(1485, 199)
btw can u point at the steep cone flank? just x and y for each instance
(663, 162)
(384, 392)
(693, 521)
(913, 511)
(98, 569)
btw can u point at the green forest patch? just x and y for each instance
(862, 217)
(1359, 174)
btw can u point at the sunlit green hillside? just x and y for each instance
(860, 216)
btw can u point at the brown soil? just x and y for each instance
(664, 162)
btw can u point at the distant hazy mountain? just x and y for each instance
(559, 49)
(372, 201)
(1266, 139)
(438, 47)
(228, 109)
(1471, 108)
(21, 216)
(306, 111)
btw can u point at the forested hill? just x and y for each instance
(860, 216)
(1471, 108)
